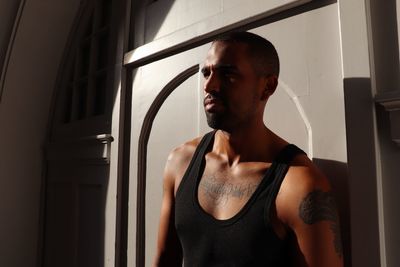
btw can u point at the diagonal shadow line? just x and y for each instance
(244, 25)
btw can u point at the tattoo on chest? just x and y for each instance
(219, 192)
(320, 206)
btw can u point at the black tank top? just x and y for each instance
(247, 239)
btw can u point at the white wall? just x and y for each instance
(24, 110)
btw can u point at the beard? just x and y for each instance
(226, 118)
(228, 121)
(215, 120)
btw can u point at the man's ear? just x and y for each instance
(270, 84)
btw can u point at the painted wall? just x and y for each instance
(24, 111)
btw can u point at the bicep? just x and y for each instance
(317, 231)
(169, 250)
(166, 230)
(168, 245)
(306, 205)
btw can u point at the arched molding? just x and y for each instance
(142, 158)
(10, 46)
(61, 79)
(294, 98)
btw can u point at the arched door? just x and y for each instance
(80, 196)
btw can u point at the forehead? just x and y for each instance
(227, 53)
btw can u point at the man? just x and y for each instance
(241, 195)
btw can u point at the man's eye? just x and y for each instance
(229, 76)
(206, 74)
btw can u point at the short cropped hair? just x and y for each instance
(261, 51)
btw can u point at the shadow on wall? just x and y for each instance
(362, 179)
(336, 172)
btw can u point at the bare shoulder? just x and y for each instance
(183, 152)
(178, 161)
(303, 182)
(305, 205)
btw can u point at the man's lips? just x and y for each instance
(212, 104)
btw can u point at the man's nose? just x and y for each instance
(212, 83)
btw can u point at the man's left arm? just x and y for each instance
(308, 208)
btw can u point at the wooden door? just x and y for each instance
(80, 199)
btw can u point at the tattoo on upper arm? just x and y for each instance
(320, 206)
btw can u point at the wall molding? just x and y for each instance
(10, 46)
(391, 102)
(295, 99)
(90, 150)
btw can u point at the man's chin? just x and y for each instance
(216, 121)
(213, 120)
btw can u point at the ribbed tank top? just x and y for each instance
(247, 239)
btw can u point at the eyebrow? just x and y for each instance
(225, 67)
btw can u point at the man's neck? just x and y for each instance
(255, 144)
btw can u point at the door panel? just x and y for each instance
(91, 223)
(81, 179)
(178, 120)
(75, 214)
(61, 213)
